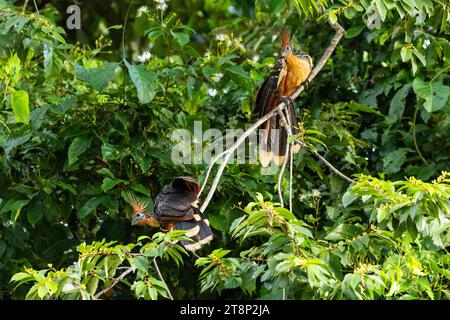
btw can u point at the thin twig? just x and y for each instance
(291, 175)
(333, 43)
(116, 281)
(162, 279)
(329, 165)
(25, 5)
(36, 7)
(209, 170)
(414, 136)
(286, 155)
(280, 175)
(291, 161)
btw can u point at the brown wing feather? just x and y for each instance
(186, 183)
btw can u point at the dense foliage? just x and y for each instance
(87, 115)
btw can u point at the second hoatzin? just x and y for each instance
(176, 209)
(292, 68)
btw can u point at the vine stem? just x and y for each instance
(162, 279)
(339, 32)
(414, 136)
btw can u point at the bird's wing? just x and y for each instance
(174, 204)
(268, 94)
(187, 184)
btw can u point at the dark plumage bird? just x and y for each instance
(176, 209)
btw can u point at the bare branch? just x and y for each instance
(115, 282)
(227, 154)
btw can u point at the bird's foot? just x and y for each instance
(306, 85)
(287, 101)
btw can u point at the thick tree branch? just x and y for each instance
(229, 152)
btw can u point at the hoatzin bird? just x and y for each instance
(176, 209)
(292, 68)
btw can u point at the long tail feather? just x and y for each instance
(198, 230)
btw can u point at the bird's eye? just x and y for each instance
(139, 215)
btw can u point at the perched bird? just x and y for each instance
(176, 209)
(291, 69)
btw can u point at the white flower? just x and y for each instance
(161, 4)
(426, 43)
(142, 10)
(220, 37)
(212, 92)
(217, 76)
(255, 58)
(144, 57)
(315, 193)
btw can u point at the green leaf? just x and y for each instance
(348, 198)
(38, 116)
(405, 54)
(14, 140)
(20, 106)
(140, 263)
(116, 27)
(181, 37)
(397, 106)
(354, 32)
(98, 78)
(65, 106)
(21, 276)
(394, 160)
(49, 63)
(144, 81)
(139, 188)
(78, 146)
(238, 75)
(88, 207)
(35, 213)
(275, 6)
(139, 287)
(343, 231)
(434, 94)
(42, 291)
(109, 183)
(381, 9)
